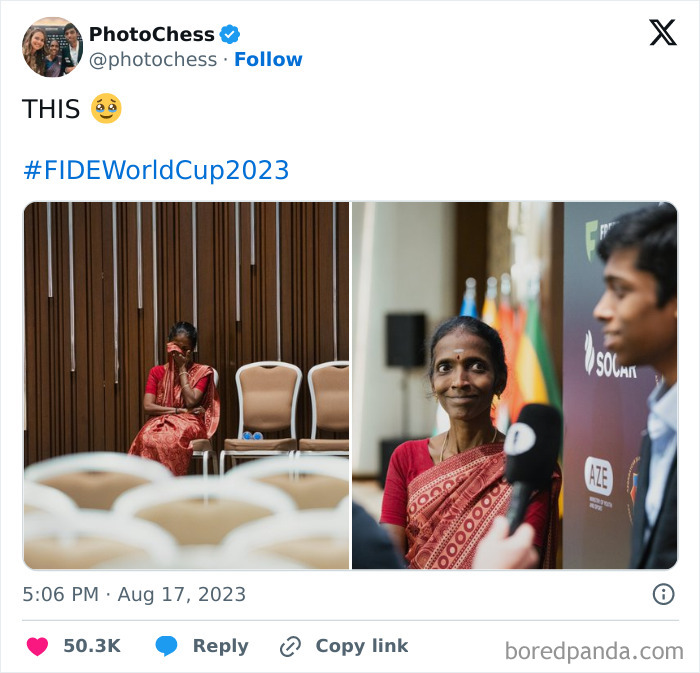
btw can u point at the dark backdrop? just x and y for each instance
(604, 405)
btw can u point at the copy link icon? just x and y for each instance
(290, 646)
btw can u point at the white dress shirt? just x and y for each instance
(662, 425)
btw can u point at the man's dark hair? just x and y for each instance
(68, 26)
(653, 232)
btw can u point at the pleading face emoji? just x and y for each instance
(106, 108)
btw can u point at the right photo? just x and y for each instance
(514, 385)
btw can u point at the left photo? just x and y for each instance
(186, 385)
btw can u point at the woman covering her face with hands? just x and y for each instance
(442, 494)
(183, 402)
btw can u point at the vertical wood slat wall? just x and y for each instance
(97, 407)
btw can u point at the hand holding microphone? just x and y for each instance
(498, 550)
(531, 446)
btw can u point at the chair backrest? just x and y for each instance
(95, 479)
(198, 511)
(329, 385)
(267, 396)
(312, 481)
(328, 466)
(210, 557)
(311, 491)
(315, 538)
(41, 498)
(88, 538)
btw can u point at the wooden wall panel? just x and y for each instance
(97, 407)
(343, 277)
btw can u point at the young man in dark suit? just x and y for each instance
(74, 51)
(639, 312)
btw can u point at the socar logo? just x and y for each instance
(590, 353)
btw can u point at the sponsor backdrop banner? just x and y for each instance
(604, 404)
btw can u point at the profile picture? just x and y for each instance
(52, 47)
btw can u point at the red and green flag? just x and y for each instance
(534, 370)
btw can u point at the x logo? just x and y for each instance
(662, 32)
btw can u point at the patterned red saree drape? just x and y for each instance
(166, 438)
(452, 506)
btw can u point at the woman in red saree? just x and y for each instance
(443, 494)
(183, 401)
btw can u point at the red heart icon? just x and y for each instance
(37, 646)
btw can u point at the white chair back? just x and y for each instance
(242, 394)
(97, 461)
(40, 498)
(90, 537)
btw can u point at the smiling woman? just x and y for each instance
(35, 49)
(442, 494)
(53, 60)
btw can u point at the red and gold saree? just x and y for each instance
(166, 438)
(452, 506)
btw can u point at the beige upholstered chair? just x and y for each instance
(311, 481)
(195, 510)
(95, 479)
(40, 498)
(90, 538)
(329, 385)
(315, 538)
(202, 448)
(211, 557)
(267, 398)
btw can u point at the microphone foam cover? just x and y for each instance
(532, 445)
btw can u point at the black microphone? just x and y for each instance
(531, 446)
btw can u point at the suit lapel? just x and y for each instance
(640, 516)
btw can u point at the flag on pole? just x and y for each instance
(489, 313)
(469, 299)
(535, 377)
(534, 369)
(509, 336)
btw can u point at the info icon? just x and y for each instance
(663, 594)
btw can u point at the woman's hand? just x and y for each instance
(197, 410)
(190, 396)
(181, 360)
